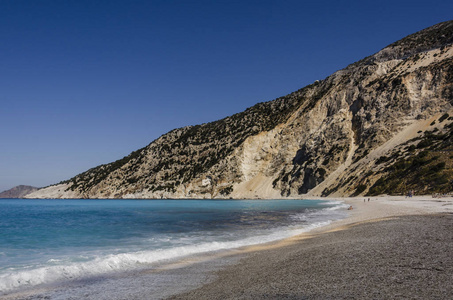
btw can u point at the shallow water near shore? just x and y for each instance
(54, 241)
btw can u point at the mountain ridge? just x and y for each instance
(321, 140)
(19, 191)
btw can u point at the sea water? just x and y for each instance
(51, 241)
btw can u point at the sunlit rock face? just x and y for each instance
(327, 138)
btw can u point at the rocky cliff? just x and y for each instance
(348, 134)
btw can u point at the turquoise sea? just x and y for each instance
(51, 241)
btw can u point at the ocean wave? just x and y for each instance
(332, 202)
(142, 252)
(312, 214)
(16, 279)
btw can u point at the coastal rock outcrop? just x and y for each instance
(343, 135)
(19, 191)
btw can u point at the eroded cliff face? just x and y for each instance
(324, 139)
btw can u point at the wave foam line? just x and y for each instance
(129, 261)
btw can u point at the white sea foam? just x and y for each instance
(57, 270)
(337, 203)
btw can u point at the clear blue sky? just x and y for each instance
(84, 83)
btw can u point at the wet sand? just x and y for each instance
(390, 248)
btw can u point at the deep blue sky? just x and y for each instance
(84, 83)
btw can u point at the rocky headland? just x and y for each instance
(19, 191)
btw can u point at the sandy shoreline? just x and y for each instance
(388, 248)
(389, 206)
(330, 262)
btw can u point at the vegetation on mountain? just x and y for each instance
(425, 168)
(337, 136)
(204, 145)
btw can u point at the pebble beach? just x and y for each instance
(389, 248)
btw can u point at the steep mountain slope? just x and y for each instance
(18, 191)
(328, 138)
